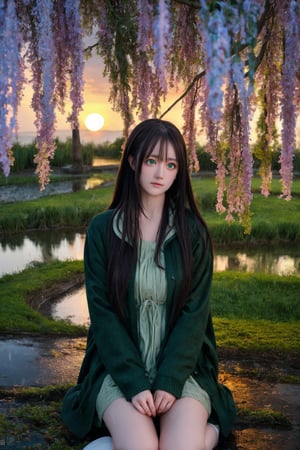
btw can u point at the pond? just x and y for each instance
(74, 183)
(20, 250)
(23, 250)
(14, 193)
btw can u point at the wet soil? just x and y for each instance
(267, 399)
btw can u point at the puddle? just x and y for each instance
(40, 361)
(72, 307)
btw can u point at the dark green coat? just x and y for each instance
(189, 347)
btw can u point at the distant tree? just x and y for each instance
(227, 59)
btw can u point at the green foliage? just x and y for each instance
(24, 155)
(110, 150)
(204, 158)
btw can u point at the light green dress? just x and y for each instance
(150, 292)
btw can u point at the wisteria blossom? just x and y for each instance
(288, 111)
(216, 41)
(239, 191)
(11, 78)
(144, 92)
(224, 59)
(75, 46)
(161, 32)
(43, 101)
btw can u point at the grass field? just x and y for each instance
(250, 311)
(273, 219)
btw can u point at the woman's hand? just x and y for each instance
(144, 403)
(163, 401)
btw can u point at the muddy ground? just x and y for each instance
(264, 387)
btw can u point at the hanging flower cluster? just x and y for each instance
(75, 58)
(291, 18)
(216, 42)
(46, 38)
(161, 32)
(268, 80)
(43, 99)
(11, 78)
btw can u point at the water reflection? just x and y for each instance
(19, 251)
(284, 261)
(40, 362)
(72, 307)
(15, 193)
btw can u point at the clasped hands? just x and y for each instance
(153, 404)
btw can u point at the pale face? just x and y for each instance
(157, 176)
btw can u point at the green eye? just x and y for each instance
(171, 165)
(150, 161)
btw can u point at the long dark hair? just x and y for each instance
(127, 203)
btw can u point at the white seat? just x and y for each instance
(103, 443)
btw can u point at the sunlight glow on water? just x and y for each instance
(17, 252)
(73, 307)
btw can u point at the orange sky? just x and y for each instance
(96, 94)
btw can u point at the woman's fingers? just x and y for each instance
(163, 401)
(144, 403)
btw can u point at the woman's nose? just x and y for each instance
(159, 170)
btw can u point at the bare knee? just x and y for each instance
(147, 443)
(182, 446)
(184, 426)
(135, 440)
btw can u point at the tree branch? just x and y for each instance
(189, 3)
(91, 47)
(197, 78)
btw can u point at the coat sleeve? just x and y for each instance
(116, 348)
(179, 356)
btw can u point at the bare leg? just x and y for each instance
(211, 436)
(184, 427)
(130, 430)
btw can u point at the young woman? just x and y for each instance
(150, 373)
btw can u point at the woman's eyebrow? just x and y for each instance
(157, 155)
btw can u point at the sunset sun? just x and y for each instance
(94, 122)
